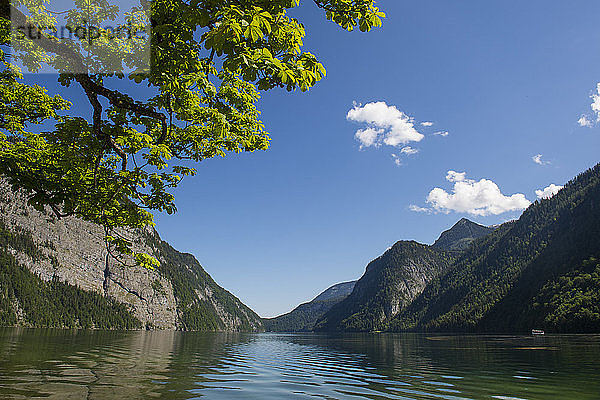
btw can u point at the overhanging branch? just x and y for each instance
(91, 88)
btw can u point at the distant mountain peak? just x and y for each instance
(303, 317)
(461, 235)
(338, 291)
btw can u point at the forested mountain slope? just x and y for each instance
(540, 271)
(54, 273)
(304, 317)
(389, 284)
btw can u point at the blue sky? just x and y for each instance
(507, 80)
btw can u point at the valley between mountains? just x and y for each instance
(541, 271)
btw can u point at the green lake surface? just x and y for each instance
(58, 364)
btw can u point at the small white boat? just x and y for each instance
(537, 332)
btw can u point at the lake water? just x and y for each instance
(54, 364)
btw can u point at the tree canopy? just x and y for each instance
(113, 161)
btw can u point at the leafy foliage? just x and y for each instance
(209, 60)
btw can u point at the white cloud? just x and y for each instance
(596, 102)
(481, 197)
(548, 192)
(441, 133)
(409, 150)
(368, 137)
(584, 121)
(405, 150)
(453, 176)
(538, 160)
(385, 124)
(427, 123)
(418, 209)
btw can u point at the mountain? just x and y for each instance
(304, 317)
(541, 271)
(56, 273)
(461, 235)
(389, 284)
(336, 292)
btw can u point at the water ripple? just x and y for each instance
(176, 366)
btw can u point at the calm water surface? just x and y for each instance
(54, 364)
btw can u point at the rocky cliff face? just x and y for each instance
(73, 251)
(389, 284)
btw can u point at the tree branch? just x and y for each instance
(92, 89)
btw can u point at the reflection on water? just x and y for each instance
(54, 364)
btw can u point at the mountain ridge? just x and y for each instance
(304, 317)
(508, 282)
(360, 311)
(339, 290)
(460, 236)
(389, 283)
(539, 271)
(57, 255)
